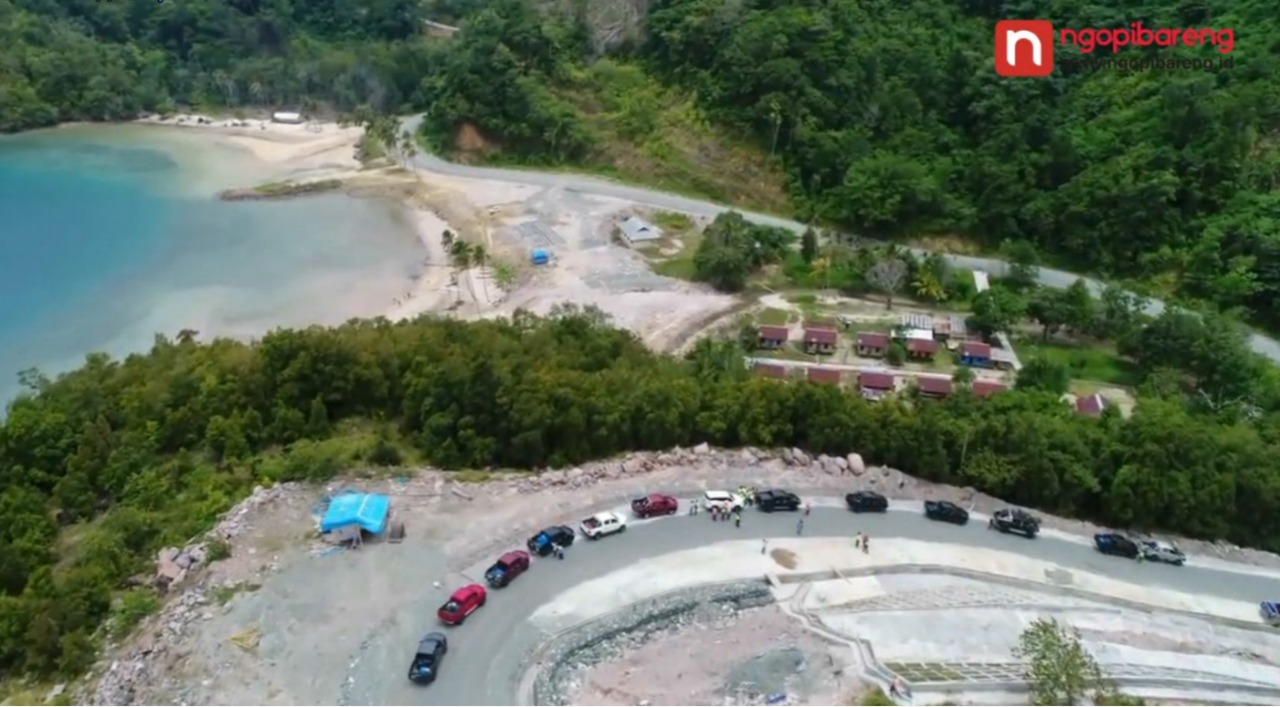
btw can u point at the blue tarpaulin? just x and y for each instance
(541, 256)
(368, 510)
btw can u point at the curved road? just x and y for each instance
(487, 653)
(1048, 277)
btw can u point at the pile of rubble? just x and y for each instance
(637, 463)
(139, 666)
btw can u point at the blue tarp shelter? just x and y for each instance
(367, 510)
(541, 256)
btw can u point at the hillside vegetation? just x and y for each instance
(103, 466)
(891, 122)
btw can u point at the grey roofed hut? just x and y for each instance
(637, 230)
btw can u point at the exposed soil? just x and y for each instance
(738, 661)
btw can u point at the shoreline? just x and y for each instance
(320, 157)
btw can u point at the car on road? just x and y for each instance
(1160, 551)
(1270, 611)
(1115, 544)
(602, 524)
(545, 541)
(723, 500)
(426, 661)
(771, 500)
(462, 604)
(507, 568)
(945, 511)
(1015, 520)
(655, 504)
(866, 502)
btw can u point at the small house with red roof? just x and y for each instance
(770, 370)
(934, 386)
(773, 337)
(874, 386)
(1092, 405)
(976, 354)
(830, 376)
(873, 344)
(820, 339)
(922, 349)
(986, 389)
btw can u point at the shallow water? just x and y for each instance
(110, 235)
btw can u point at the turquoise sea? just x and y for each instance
(110, 235)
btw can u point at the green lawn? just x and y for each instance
(774, 317)
(1093, 363)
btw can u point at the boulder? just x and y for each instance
(841, 463)
(702, 448)
(856, 466)
(787, 456)
(801, 458)
(632, 466)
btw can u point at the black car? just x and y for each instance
(1115, 544)
(426, 662)
(945, 511)
(866, 502)
(777, 500)
(543, 543)
(1015, 520)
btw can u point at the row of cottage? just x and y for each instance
(919, 333)
(877, 384)
(874, 385)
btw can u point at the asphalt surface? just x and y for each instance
(487, 654)
(1048, 277)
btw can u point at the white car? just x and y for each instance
(602, 524)
(723, 500)
(1160, 551)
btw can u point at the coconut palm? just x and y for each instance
(480, 257)
(460, 255)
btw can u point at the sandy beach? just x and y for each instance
(588, 267)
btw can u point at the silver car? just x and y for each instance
(1160, 551)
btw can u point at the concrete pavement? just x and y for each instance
(487, 654)
(1048, 277)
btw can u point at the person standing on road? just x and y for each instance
(693, 507)
(737, 520)
(764, 546)
(800, 527)
(866, 544)
(807, 508)
(857, 539)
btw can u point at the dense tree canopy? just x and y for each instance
(106, 464)
(88, 60)
(893, 123)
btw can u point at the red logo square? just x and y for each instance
(1024, 48)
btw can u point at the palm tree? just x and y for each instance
(479, 256)
(256, 92)
(460, 254)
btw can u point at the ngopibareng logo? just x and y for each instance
(1026, 48)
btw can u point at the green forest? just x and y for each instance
(106, 464)
(891, 122)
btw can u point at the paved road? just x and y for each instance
(487, 653)
(1048, 277)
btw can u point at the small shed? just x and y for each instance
(363, 511)
(637, 230)
(1092, 405)
(286, 117)
(540, 256)
(974, 353)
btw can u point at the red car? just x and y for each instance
(462, 604)
(508, 567)
(655, 504)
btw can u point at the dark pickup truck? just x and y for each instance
(1115, 544)
(655, 504)
(866, 502)
(1015, 520)
(544, 542)
(945, 511)
(507, 568)
(771, 500)
(426, 660)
